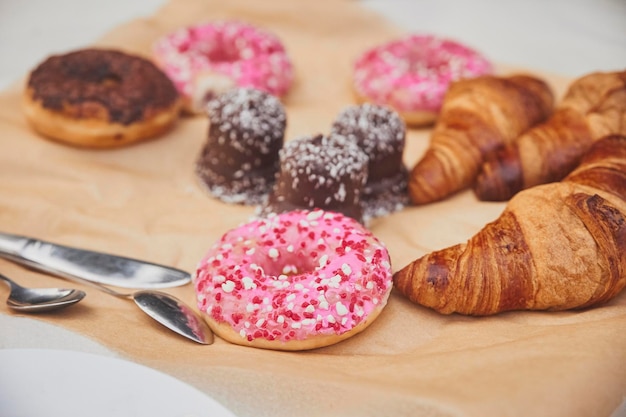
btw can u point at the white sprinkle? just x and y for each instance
(290, 248)
(280, 284)
(218, 279)
(331, 318)
(248, 283)
(280, 319)
(341, 309)
(309, 309)
(308, 322)
(260, 322)
(296, 325)
(335, 281)
(314, 215)
(287, 269)
(228, 286)
(323, 261)
(242, 333)
(291, 297)
(250, 251)
(345, 268)
(273, 253)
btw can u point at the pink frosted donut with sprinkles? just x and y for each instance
(412, 74)
(208, 59)
(294, 281)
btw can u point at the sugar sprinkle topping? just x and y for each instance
(339, 274)
(249, 56)
(248, 119)
(239, 161)
(333, 154)
(376, 129)
(414, 72)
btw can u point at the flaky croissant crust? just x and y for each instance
(557, 246)
(478, 116)
(594, 106)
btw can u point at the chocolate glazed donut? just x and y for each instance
(100, 98)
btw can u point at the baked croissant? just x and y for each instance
(555, 246)
(593, 107)
(477, 116)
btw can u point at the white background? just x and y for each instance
(568, 37)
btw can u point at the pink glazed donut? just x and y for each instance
(294, 281)
(205, 60)
(412, 74)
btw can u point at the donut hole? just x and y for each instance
(224, 53)
(288, 264)
(95, 73)
(111, 80)
(219, 50)
(418, 63)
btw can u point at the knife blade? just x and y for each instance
(103, 268)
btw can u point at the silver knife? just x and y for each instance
(103, 268)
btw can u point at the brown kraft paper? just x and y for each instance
(144, 201)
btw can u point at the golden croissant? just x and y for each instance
(478, 115)
(556, 246)
(594, 106)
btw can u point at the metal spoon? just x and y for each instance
(36, 300)
(166, 309)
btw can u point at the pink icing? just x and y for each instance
(239, 51)
(413, 73)
(294, 275)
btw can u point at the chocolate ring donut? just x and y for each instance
(100, 98)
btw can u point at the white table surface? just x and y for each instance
(568, 37)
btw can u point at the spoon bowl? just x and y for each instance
(39, 300)
(165, 309)
(174, 314)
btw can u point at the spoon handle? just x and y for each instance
(102, 268)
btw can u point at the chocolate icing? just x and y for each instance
(239, 161)
(380, 133)
(326, 172)
(128, 87)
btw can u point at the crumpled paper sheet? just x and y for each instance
(144, 201)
